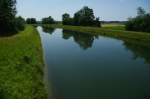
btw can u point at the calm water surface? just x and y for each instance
(83, 66)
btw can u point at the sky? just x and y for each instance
(108, 10)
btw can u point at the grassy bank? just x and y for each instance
(135, 37)
(21, 66)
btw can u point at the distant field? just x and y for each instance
(21, 66)
(113, 26)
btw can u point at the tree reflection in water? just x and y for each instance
(138, 50)
(85, 41)
(49, 30)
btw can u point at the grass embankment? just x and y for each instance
(111, 31)
(21, 66)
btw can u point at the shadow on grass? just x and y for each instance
(7, 34)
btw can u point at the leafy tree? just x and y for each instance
(97, 22)
(140, 23)
(48, 20)
(67, 20)
(65, 16)
(7, 16)
(9, 23)
(31, 21)
(84, 17)
(77, 19)
(140, 11)
(20, 23)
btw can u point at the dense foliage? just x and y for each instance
(67, 20)
(20, 22)
(31, 21)
(140, 23)
(48, 20)
(8, 21)
(84, 17)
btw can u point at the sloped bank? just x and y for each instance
(22, 66)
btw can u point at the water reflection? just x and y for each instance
(85, 41)
(49, 30)
(105, 68)
(138, 50)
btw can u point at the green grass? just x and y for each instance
(21, 66)
(136, 37)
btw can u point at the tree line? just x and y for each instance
(84, 17)
(10, 23)
(139, 23)
(46, 20)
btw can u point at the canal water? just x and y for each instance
(84, 66)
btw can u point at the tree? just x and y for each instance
(20, 23)
(28, 21)
(76, 19)
(67, 20)
(97, 22)
(84, 17)
(65, 16)
(140, 23)
(140, 11)
(7, 16)
(48, 20)
(31, 21)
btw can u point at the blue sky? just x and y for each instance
(105, 9)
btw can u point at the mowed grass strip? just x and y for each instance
(21, 66)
